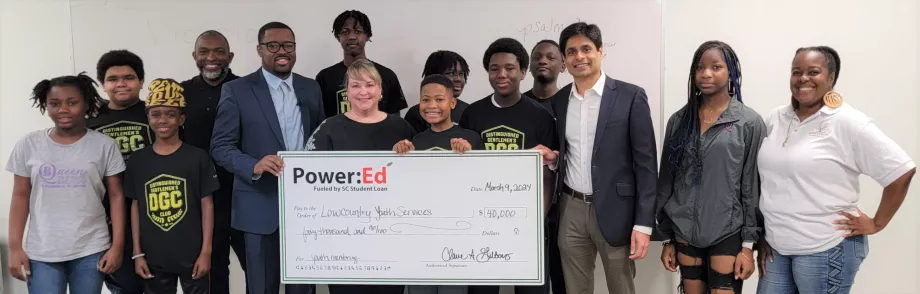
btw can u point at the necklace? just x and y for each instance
(788, 130)
(713, 116)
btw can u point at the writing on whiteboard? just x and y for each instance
(550, 29)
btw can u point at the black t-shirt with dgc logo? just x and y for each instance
(335, 101)
(168, 190)
(131, 132)
(521, 126)
(430, 140)
(128, 127)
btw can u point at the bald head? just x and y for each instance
(212, 56)
(212, 34)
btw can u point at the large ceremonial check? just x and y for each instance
(424, 218)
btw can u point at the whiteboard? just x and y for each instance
(425, 218)
(163, 32)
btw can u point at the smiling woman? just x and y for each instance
(810, 162)
(364, 127)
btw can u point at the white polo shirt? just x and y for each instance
(816, 174)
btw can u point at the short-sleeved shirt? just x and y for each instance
(545, 102)
(335, 99)
(168, 190)
(810, 171)
(340, 133)
(414, 116)
(521, 126)
(127, 126)
(66, 217)
(429, 140)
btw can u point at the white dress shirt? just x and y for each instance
(580, 128)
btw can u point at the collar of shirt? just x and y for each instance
(199, 82)
(598, 88)
(274, 81)
(825, 110)
(492, 97)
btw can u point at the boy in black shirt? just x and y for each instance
(453, 66)
(507, 121)
(352, 29)
(123, 118)
(547, 64)
(437, 101)
(172, 212)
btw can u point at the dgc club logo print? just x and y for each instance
(503, 138)
(130, 136)
(365, 179)
(344, 106)
(166, 200)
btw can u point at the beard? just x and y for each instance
(212, 75)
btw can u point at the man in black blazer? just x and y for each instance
(607, 168)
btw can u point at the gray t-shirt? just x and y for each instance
(66, 217)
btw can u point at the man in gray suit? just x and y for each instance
(607, 168)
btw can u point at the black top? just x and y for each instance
(131, 132)
(128, 127)
(201, 110)
(414, 117)
(521, 126)
(340, 133)
(431, 140)
(168, 190)
(332, 83)
(547, 103)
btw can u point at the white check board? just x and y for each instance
(425, 218)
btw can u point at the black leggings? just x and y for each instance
(704, 272)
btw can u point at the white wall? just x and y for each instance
(877, 41)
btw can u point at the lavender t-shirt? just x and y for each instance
(66, 217)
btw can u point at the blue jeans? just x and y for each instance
(832, 271)
(80, 274)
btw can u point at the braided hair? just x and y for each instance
(689, 124)
(833, 64)
(360, 19)
(84, 84)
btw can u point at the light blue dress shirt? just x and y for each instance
(285, 100)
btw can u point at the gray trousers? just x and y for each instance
(580, 241)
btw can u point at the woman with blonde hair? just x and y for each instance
(362, 128)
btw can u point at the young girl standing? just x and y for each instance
(60, 176)
(708, 182)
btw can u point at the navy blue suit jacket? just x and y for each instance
(624, 169)
(246, 130)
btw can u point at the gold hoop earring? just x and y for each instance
(833, 99)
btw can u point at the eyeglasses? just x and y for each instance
(273, 47)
